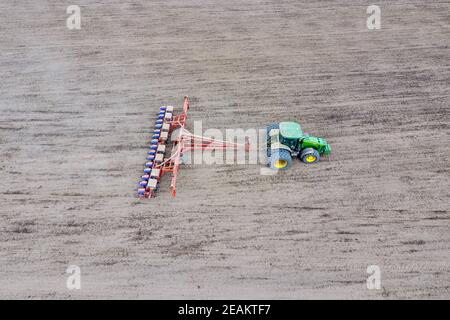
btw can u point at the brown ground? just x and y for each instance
(75, 113)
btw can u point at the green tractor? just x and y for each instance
(286, 140)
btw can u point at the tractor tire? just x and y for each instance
(309, 156)
(270, 127)
(280, 159)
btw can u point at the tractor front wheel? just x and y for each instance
(280, 159)
(310, 156)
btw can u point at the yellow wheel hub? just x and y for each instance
(280, 164)
(310, 158)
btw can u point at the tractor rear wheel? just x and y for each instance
(310, 156)
(280, 159)
(270, 127)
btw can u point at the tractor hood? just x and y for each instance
(318, 144)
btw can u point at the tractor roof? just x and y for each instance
(291, 130)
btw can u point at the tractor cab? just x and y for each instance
(290, 134)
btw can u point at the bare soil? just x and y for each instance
(76, 107)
